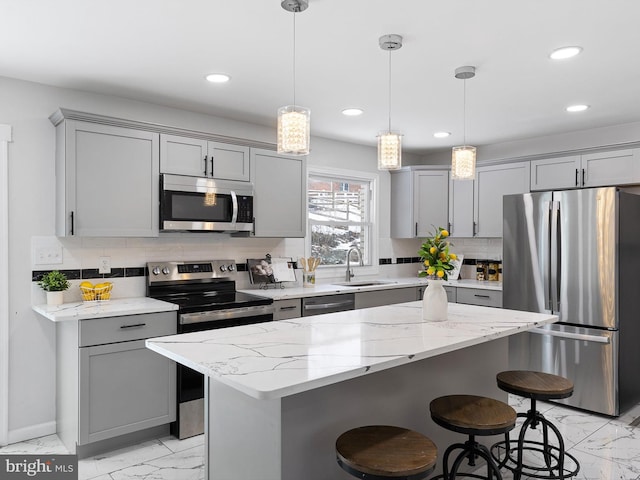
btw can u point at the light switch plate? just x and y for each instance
(51, 255)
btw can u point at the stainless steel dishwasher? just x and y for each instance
(328, 304)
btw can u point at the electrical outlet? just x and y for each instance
(104, 265)
(48, 255)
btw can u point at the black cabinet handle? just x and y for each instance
(212, 165)
(205, 165)
(482, 296)
(291, 307)
(134, 325)
(71, 222)
(416, 229)
(576, 177)
(583, 177)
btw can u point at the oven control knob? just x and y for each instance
(166, 270)
(231, 268)
(155, 271)
(223, 268)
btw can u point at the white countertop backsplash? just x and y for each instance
(277, 359)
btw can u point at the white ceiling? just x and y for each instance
(160, 51)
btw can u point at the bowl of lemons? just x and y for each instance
(96, 293)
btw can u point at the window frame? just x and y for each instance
(332, 271)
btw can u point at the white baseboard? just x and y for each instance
(32, 431)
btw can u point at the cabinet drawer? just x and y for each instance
(285, 309)
(478, 296)
(100, 331)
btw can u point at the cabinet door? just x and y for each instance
(377, 298)
(430, 201)
(491, 184)
(184, 156)
(280, 199)
(230, 162)
(124, 387)
(477, 296)
(115, 189)
(621, 167)
(461, 208)
(284, 309)
(556, 173)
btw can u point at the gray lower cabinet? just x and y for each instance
(478, 296)
(378, 298)
(285, 309)
(108, 383)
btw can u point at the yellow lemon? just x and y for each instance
(430, 270)
(453, 256)
(86, 284)
(426, 263)
(100, 285)
(433, 250)
(444, 233)
(440, 273)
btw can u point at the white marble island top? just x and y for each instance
(277, 359)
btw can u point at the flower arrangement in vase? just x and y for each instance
(438, 262)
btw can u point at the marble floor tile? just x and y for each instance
(183, 465)
(92, 467)
(176, 445)
(49, 444)
(614, 442)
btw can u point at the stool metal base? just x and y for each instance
(470, 450)
(558, 464)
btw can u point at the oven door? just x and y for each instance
(205, 204)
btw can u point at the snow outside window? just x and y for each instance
(340, 211)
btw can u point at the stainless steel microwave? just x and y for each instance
(205, 204)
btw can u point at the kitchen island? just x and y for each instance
(280, 393)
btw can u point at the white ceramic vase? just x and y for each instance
(55, 298)
(434, 301)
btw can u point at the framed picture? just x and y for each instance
(271, 270)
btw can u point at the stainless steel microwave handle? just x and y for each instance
(572, 336)
(234, 201)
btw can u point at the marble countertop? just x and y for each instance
(277, 359)
(328, 288)
(109, 308)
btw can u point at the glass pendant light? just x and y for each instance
(463, 158)
(389, 142)
(294, 121)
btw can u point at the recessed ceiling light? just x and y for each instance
(218, 78)
(352, 112)
(565, 52)
(577, 108)
(441, 134)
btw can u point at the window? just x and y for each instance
(340, 217)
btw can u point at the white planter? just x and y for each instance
(55, 298)
(434, 301)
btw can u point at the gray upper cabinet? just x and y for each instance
(280, 194)
(618, 167)
(419, 202)
(461, 223)
(106, 180)
(203, 158)
(491, 184)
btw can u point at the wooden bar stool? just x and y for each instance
(378, 452)
(555, 462)
(472, 416)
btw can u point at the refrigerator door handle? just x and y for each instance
(555, 257)
(572, 336)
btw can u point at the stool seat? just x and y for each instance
(536, 385)
(473, 415)
(383, 451)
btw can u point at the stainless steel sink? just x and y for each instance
(364, 283)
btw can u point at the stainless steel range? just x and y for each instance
(205, 292)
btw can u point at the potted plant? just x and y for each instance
(438, 262)
(54, 283)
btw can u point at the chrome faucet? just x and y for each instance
(350, 274)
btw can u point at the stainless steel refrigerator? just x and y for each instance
(576, 254)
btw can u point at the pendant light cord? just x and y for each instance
(464, 112)
(294, 58)
(389, 91)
